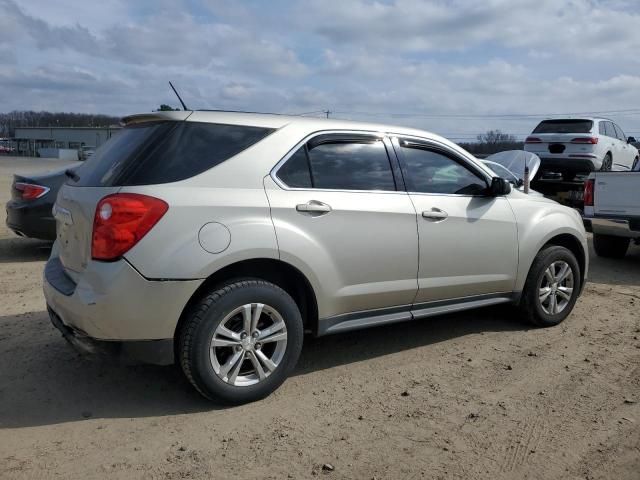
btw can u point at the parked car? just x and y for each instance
(251, 229)
(32, 198)
(572, 146)
(612, 211)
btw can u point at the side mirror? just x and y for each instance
(631, 140)
(499, 186)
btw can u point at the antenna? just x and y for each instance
(327, 112)
(184, 107)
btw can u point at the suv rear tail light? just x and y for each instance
(121, 220)
(30, 191)
(588, 192)
(590, 140)
(532, 140)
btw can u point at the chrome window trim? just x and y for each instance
(380, 135)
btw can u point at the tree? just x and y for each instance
(492, 142)
(167, 108)
(493, 137)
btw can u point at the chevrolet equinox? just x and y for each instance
(217, 239)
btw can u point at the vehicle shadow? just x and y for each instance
(18, 249)
(615, 271)
(43, 381)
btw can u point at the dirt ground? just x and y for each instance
(472, 395)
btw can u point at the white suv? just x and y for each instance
(575, 145)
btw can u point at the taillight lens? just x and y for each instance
(121, 220)
(588, 192)
(589, 140)
(30, 191)
(532, 140)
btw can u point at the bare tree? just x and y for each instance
(493, 137)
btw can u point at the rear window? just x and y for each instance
(153, 153)
(564, 126)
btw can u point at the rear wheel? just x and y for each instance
(552, 287)
(610, 246)
(635, 164)
(607, 163)
(241, 341)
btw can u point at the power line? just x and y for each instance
(631, 111)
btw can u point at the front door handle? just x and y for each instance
(314, 207)
(435, 214)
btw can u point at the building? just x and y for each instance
(29, 140)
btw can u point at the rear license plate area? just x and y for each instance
(556, 148)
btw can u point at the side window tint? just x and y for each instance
(351, 166)
(619, 133)
(295, 172)
(610, 132)
(430, 171)
(601, 128)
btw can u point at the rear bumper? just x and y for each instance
(617, 227)
(31, 220)
(113, 302)
(156, 352)
(569, 164)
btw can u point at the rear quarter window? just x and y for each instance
(166, 152)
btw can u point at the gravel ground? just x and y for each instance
(472, 395)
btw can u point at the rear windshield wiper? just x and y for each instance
(72, 175)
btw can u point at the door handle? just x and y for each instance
(313, 206)
(435, 214)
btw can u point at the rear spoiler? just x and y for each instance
(176, 116)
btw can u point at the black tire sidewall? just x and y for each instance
(240, 294)
(541, 263)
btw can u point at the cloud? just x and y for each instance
(368, 59)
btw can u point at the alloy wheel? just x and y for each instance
(248, 344)
(556, 287)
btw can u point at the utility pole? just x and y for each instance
(327, 112)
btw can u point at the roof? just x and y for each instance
(276, 121)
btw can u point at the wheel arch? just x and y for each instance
(573, 244)
(281, 273)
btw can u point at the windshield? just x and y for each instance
(564, 126)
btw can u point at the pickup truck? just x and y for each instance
(612, 211)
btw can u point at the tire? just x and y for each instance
(204, 362)
(609, 246)
(540, 312)
(635, 164)
(607, 163)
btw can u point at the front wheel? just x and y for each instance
(241, 341)
(552, 287)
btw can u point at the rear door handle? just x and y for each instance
(313, 206)
(435, 214)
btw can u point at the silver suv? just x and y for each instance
(217, 239)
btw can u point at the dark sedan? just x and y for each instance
(32, 198)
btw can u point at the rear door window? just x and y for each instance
(165, 152)
(339, 165)
(564, 126)
(351, 166)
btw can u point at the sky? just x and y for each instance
(455, 67)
